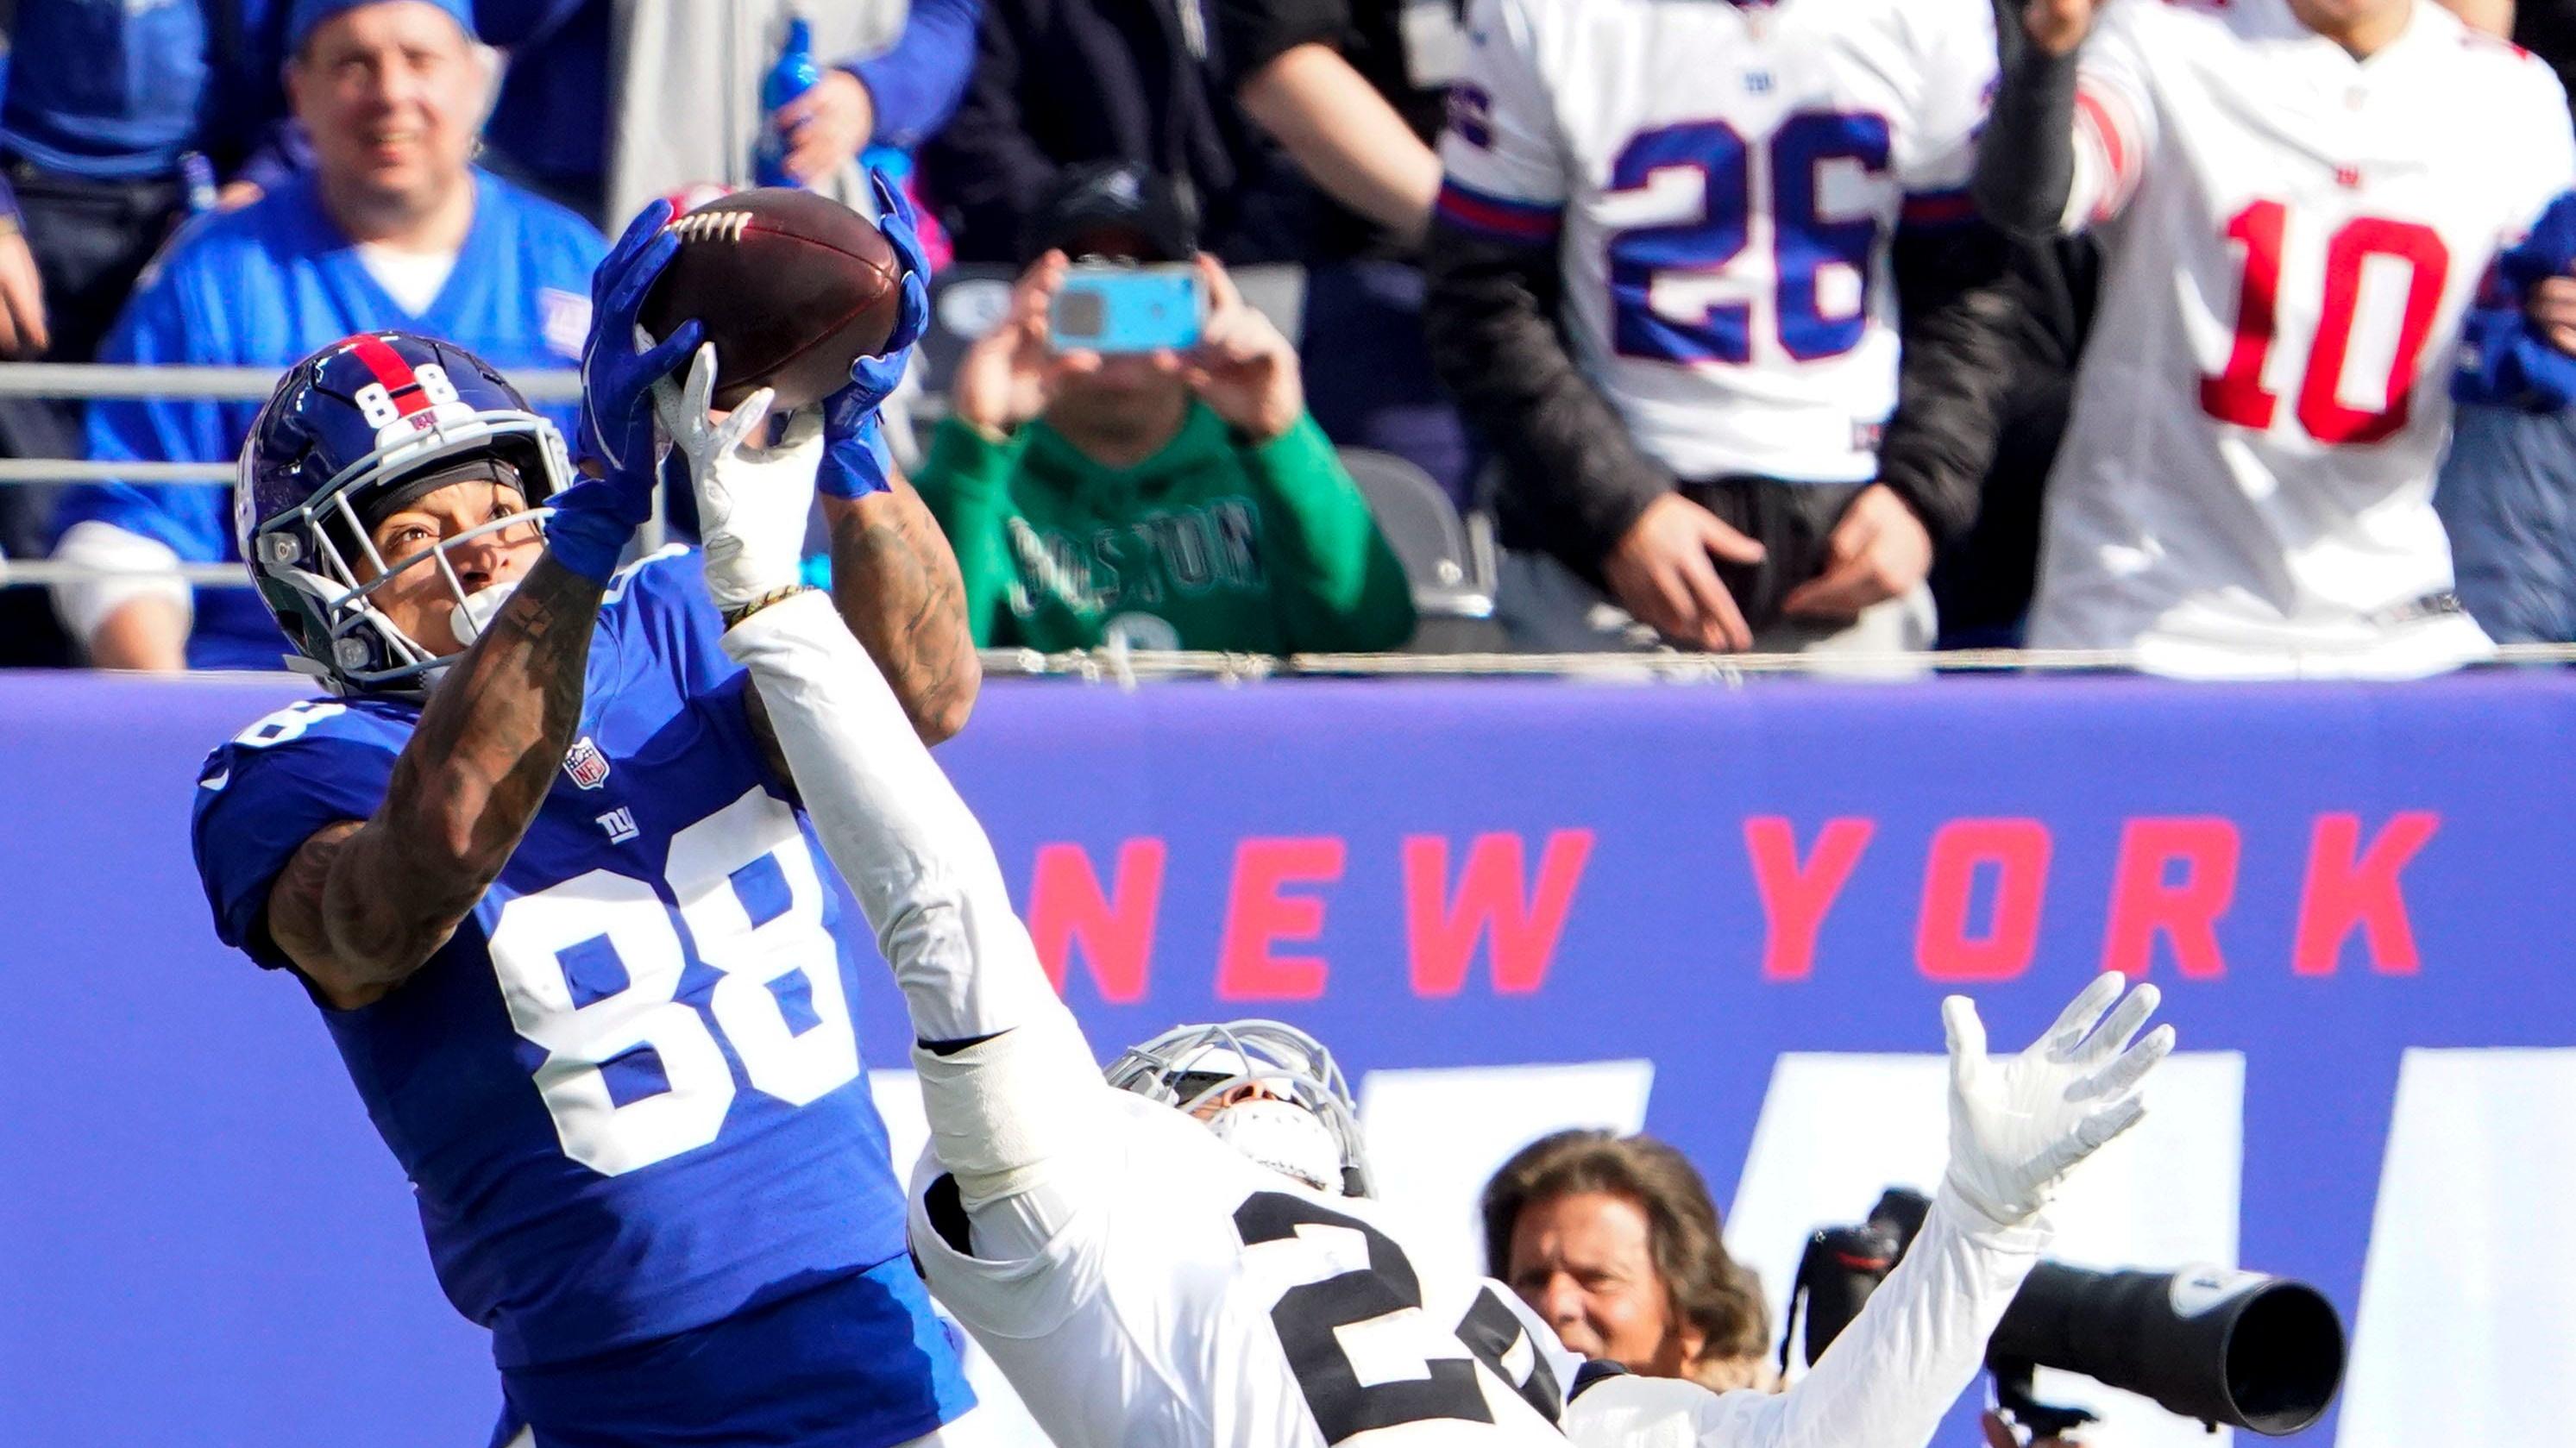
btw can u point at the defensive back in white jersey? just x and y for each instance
(1727, 178)
(2293, 237)
(1170, 1293)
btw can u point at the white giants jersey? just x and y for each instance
(1722, 180)
(1190, 1298)
(2293, 238)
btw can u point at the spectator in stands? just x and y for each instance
(682, 104)
(392, 228)
(1700, 424)
(2507, 492)
(1063, 83)
(106, 108)
(1613, 1240)
(1353, 91)
(1154, 501)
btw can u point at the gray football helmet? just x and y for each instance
(1310, 1130)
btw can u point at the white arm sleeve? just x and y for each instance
(1027, 1092)
(1884, 1383)
(2117, 129)
(130, 566)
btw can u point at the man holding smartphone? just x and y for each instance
(1128, 460)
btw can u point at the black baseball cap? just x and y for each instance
(1113, 206)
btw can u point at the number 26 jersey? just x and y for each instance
(1721, 182)
(2292, 239)
(627, 1091)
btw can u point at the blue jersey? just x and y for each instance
(627, 1093)
(265, 286)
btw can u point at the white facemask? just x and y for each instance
(1284, 1137)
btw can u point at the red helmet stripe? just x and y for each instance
(399, 380)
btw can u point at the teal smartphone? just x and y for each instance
(1115, 308)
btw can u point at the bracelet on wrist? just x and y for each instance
(733, 617)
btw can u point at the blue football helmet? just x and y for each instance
(352, 422)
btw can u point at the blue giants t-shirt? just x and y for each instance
(268, 284)
(627, 1093)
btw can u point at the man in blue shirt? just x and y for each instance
(393, 227)
(106, 108)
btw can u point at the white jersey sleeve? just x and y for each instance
(1503, 174)
(1009, 1086)
(1887, 1379)
(2546, 138)
(1953, 48)
(2115, 118)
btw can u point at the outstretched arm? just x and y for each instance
(362, 906)
(1009, 1085)
(894, 577)
(896, 584)
(2017, 1127)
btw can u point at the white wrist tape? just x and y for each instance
(1003, 1109)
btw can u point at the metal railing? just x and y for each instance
(89, 380)
(222, 384)
(1128, 669)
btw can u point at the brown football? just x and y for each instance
(791, 287)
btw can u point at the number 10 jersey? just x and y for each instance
(1722, 182)
(627, 1091)
(2292, 239)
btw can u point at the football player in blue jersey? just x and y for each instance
(538, 861)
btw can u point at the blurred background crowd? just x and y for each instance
(234, 182)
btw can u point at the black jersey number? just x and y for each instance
(1308, 1315)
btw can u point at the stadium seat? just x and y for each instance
(1449, 560)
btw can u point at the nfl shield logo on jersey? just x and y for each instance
(587, 766)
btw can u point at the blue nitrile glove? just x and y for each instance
(855, 460)
(593, 520)
(2505, 361)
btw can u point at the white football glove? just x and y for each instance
(2018, 1125)
(752, 502)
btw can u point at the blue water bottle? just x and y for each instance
(793, 75)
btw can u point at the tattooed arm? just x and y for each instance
(896, 585)
(362, 906)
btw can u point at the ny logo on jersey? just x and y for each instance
(585, 764)
(620, 824)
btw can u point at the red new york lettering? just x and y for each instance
(2146, 902)
(2351, 888)
(2017, 849)
(1258, 915)
(1491, 902)
(1795, 897)
(1115, 931)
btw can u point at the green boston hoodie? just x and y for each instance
(1212, 543)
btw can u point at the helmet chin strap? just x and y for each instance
(1284, 1137)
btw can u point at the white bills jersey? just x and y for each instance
(1722, 180)
(2292, 240)
(1185, 1297)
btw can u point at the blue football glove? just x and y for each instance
(855, 461)
(593, 520)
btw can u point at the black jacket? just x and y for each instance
(1058, 82)
(1572, 481)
